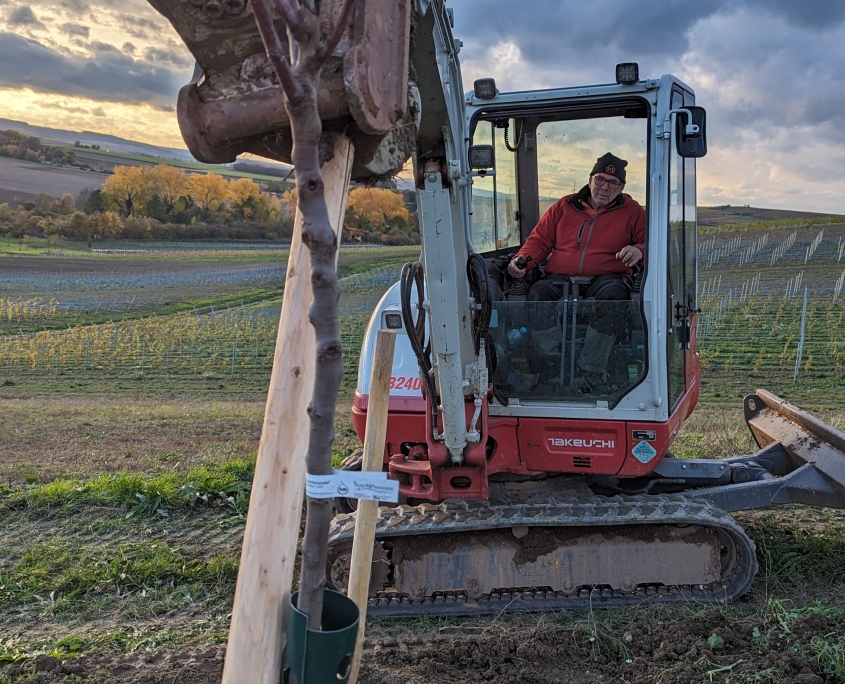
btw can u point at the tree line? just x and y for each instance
(166, 203)
(29, 147)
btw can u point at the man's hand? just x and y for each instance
(629, 255)
(515, 270)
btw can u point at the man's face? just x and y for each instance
(604, 188)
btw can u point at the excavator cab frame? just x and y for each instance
(539, 418)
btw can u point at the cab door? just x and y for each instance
(682, 268)
(676, 252)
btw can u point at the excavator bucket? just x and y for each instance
(234, 103)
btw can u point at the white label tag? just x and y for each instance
(373, 486)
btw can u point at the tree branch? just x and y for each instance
(291, 86)
(297, 19)
(288, 10)
(327, 50)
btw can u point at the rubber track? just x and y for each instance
(618, 512)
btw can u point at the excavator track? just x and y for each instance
(432, 548)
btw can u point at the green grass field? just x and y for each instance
(124, 482)
(108, 158)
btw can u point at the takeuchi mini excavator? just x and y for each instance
(523, 485)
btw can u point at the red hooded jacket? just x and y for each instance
(579, 241)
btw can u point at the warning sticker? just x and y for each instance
(373, 486)
(644, 452)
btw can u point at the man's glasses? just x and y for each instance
(609, 182)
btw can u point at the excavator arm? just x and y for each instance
(234, 104)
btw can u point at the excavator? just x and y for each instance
(522, 487)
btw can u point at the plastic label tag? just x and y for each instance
(372, 486)
(644, 452)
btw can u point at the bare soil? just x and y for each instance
(30, 178)
(109, 265)
(537, 650)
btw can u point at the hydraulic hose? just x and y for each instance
(479, 285)
(412, 278)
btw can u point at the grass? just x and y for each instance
(89, 156)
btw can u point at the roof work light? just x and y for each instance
(627, 73)
(485, 88)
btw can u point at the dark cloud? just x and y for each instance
(821, 15)
(759, 74)
(75, 30)
(111, 76)
(175, 57)
(137, 26)
(606, 31)
(167, 108)
(98, 111)
(98, 46)
(24, 16)
(545, 28)
(78, 6)
(128, 48)
(65, 108)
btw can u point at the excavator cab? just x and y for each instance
(579, 385)
(540, 147)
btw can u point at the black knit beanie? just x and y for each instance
(612, 166)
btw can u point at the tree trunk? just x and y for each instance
(300, 79)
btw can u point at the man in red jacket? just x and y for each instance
(591, 240)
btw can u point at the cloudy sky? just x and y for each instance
(769, 72)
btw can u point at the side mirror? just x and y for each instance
(691, 136)
(481, 157)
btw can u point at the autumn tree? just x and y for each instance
(125, 187)
(65, 206)
(247, 199)
(169, 184)
(107, 225)
(78, 226)
(376, 210)
(209, 190)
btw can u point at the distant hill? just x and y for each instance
(57, 136)
(731, 214)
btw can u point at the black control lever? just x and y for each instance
(522, 261)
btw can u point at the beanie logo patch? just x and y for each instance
(610, 168)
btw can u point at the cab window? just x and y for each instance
(494, 196)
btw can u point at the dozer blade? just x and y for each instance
(805, 438)
(235, 104)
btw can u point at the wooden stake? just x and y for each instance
(367, 515)
(262, 594)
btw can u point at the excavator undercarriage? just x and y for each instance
(569, 542)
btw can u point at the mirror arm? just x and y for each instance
(691, 130)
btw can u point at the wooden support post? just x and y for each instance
(367, 514)
(262, 594)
